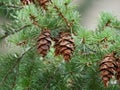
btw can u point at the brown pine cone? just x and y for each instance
(118, 69)
(108, 68)
(64, 45)
(44, 42)
(56, 45)
(26, 2)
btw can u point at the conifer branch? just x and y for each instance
(10, 6)
(14, 66)
(35, 22)
(90, 49)
(30, 73)
(62, 16)
(21, 28)
(69, 24)
(14, 82)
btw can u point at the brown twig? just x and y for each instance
(62, 16)
(69, 24)
(35, 22)
(105, 39)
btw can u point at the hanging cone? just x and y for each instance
(44, 42)
(26, 2)
(64, 45)
(118, 69)
(107, 68)
(43, 3)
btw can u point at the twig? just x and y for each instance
(35, 22)
(69, 24)
(21, 28)
(15, 64)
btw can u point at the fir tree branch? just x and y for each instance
(35, 22)
(69, 24)
(14, 82)
(15, 64)
(21, 28)
(49, 80)
(10, 6)
(15, 78)
(30, 74)
(90, 49)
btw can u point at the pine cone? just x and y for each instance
(43, 3)
(64, 45)
(26, 2)
(108, 68)
(118, 69)
(56, 45)
(44, 42)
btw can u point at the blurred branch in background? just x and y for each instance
(10, 5)
(15, 31)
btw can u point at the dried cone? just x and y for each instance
(118, 69)
(44, 42)
(64, 45)
(56, 45)
(43, 3)
(107, 68)
(26, 2)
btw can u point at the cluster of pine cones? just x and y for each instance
(64, 44)
(110, 68)
(42, 3)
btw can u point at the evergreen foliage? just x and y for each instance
(27, 70)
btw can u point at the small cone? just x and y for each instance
(107, 68)
(44, 42)
(64, 45)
